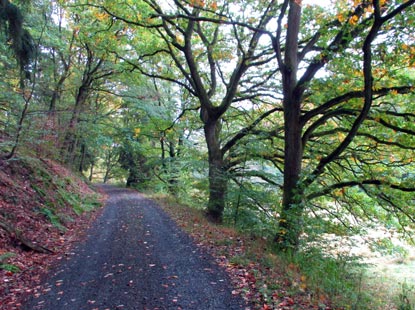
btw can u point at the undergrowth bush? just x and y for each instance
(251, 222)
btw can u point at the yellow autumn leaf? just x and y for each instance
(353, 20)
(100, 15)
(340, 17)
(179, 39)
(197, 3)
(136, 132)
(341, 135)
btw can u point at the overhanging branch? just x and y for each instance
(375, 182)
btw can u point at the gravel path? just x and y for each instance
(136, 258)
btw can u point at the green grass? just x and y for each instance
(339, 279)
(240, 260)
(6, 266)
(393, 283)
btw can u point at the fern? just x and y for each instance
(53, 218)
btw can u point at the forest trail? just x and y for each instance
(135, 257)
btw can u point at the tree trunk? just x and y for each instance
(91, 172)
(133, 177)
(82, 158)
(16, 144)
(217, 177)
(69, 144)
(92, 66)
(107, 175)
(290, 225)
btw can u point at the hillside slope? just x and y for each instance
(42, 212)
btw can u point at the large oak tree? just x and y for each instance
(202, 50)
(358, 31)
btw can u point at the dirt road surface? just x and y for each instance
(136, 258)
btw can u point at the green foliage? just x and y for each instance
(386, 246)
(10, 267)
(6, 256)
(86, 204)
(191, 187)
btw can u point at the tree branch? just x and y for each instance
(376, 182)
(245, 131)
